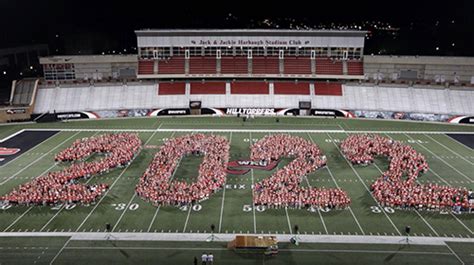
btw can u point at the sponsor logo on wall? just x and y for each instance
(332, 113)
(165, 112)
(462, 119)
(16, 111)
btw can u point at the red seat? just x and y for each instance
(355, 67)
(265, 65)
(145, 67)
(178, 88)
(249, 88)
(328, 89)
(327, 66)
(208, 88)
(174, 65)
(234, 65)
(297, 65)
(202, 65)
(291, 88)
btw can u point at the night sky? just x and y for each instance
(92, 27)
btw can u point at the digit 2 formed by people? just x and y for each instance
(282, 189)
(398, 186)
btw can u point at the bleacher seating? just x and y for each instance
(327, 89)
(208, 88)
(291, 88)
(327, 66)
(202, 65)
(265, 65)
(249, 88)
(234, 65)
(355, 67)
(354, 97)
(145, 67)
(297, 65)
(173, 65)
(178, 88)
(23, 92)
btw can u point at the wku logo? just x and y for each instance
(5, 151)
(247, 164)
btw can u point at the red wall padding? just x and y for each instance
(291, 88)
(249, 88)
(172, 88)
(328, 89)
(208, 88)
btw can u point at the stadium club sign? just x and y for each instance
(248, 42)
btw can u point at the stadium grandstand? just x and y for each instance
(291, 147)
(222, 69)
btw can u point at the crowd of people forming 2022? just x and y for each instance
(397, 187)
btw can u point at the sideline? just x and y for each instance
(245, 131)
(201, 237)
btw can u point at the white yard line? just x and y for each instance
(134, 194)
(456, 255)
(106, 193)
(64, 206)
(337, 186)
(31, 207)
(60, 251)
(11, 135)
(15, 134)
(365, 186)
(124, 211)
(36, 160)
(18, 219)
(159, 206)
(288, 220)
(251, 188)
(426, 222)
(444, 181)
(416, 211)
(442, 160)
(457, 219)
(187, 218)
(223, 193)
(319, 212)
(449, 149)
(250, 130)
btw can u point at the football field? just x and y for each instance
(230, 210)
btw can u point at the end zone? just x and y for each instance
(20, 142)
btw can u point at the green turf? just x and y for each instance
(450, 162)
